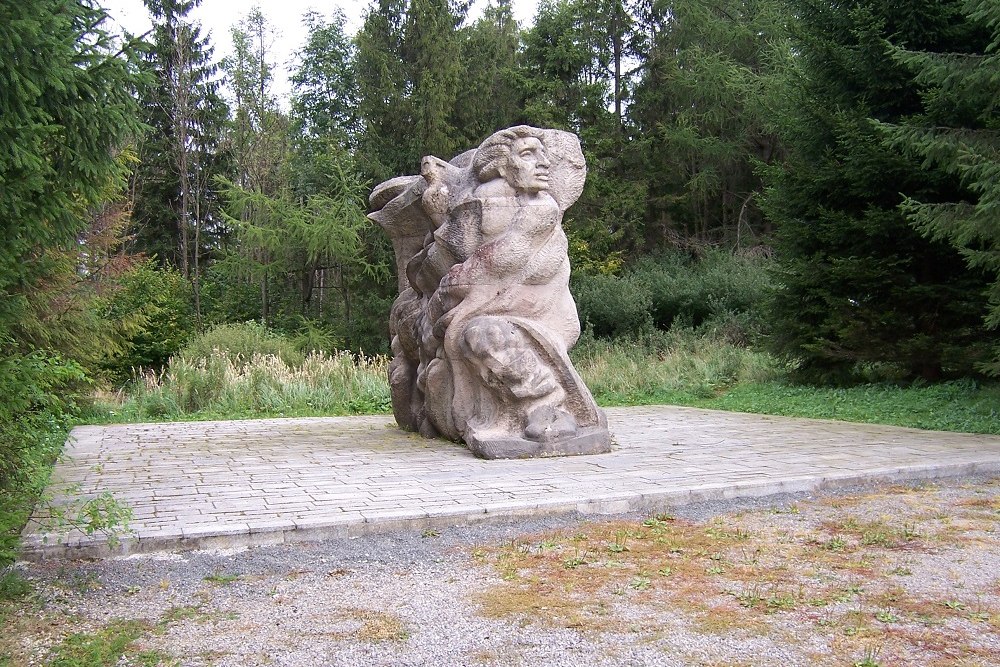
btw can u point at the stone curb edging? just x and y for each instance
(358, 524)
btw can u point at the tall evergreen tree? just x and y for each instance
(565, 77)
(860, 287)
(258, 136)
(66, 113)
(575, 79)
(433, 54)
(959, 132)
(339, 253)
(410, 70)
(491, 96)
(325, 98)
(388, 143)
(176, 208)
(701, 115)
(259, 142)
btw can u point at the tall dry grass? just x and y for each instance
(678, 365)
(223, 385)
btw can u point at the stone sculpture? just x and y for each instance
(484, 317)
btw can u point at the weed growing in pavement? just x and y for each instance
(640, 583)
(73, 580)
(886, 616)
(221, 578)
(368, 625)
(620, 544)
(379, 626)
(870, 657)
(182, 613)
(576, 560)
(834, 544)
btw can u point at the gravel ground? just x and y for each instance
(931, 598)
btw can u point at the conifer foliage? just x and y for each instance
(861, 288)
(959, 133)
(66, 114)
(66, 110)
(175, 214)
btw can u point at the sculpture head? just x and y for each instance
(517, 155)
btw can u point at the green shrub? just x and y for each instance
(313, 336)
(158, 302)
(695, 291)
(39, 392)
(612, 306)
(226, 294)
(240, 342)
(720, 292)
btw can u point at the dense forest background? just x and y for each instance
(825, 176)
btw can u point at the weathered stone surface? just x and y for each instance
(484, 318)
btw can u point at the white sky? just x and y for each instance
(284, 16)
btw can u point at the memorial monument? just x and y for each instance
(484, 317)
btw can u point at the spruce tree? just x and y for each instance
(258, 140)
(175, 213)
(325, 98)
(388, 144)
(67, 113)
(574, 78)
(959, 132)
(490, 97)
(701, 112)
(861, 290)
(334, 251)
(433, 54)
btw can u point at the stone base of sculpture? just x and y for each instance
(484, 318)
(594, 440)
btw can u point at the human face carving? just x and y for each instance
(528, 165)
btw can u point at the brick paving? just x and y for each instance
(224, 484)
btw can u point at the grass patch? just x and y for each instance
(221, 578)
(681, 367)
(13, 586)
(953, 406)
(757, 575)
(106, 647)
(381, 627)
(678, 366)
(369, 626)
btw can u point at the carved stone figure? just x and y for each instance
(484, 317)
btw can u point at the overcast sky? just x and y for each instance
(285, 16)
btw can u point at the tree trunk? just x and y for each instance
(616, 43)
(182, 112)
(196, 274)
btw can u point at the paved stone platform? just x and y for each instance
(222, 484)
